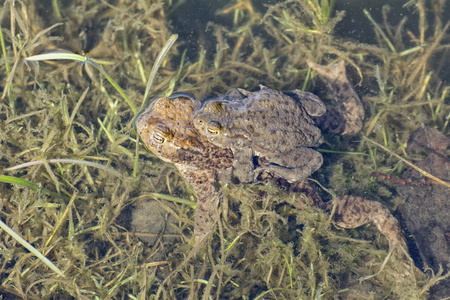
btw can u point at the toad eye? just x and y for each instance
(213, 128)
(158, 138)
(161, 133)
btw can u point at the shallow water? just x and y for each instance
(281, 248)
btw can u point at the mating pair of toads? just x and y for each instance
(243, 134)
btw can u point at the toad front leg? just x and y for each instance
(243, 166)
(203, 184)
(293, 165)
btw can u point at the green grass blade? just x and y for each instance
(84, 59)
(174, 199)
(379, 30)
(57, 56)
(114, 84)
(65, 160)
(28, 184)
(157, 64)
(30, 248)
(2, 41)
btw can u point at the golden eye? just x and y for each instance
(213, 127)
(158, 138)
(212, 131)
(161, 133)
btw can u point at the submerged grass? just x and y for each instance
(83, 59)
(30, 248)
(59, 118)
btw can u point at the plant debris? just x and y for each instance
(268, 244)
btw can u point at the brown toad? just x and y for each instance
(166, 129)
(266, 124)
(274, 131)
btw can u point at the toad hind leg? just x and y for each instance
(346, 114)
(352, 212)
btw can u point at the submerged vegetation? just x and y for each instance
(74, 134)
